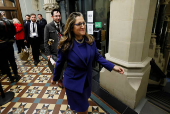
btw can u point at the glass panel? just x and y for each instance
(83, 6)
(9, 3)
(1, 3)
(9, 14)
(101, 12)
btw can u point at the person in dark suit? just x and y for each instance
(79, 50)
(7, 58)
(42, 22)
(53, 31)
(27, 19)
(32, 34)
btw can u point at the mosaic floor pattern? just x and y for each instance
(34, 94)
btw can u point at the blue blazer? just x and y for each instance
(27, 30)
(77, 69)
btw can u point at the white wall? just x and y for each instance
(26, 8)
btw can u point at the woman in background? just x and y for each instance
(19, 34)
(79, 50)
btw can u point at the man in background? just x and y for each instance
(52, 33)
(27, 19)
(42, 22)
(33, 34)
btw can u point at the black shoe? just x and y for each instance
(12, 79)
(17, 78)
(36, 62)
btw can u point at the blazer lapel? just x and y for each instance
(88, 52)
(29, 29)
(78, 53)
(38, 28)
(53, 25)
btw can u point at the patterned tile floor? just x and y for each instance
(34, 94)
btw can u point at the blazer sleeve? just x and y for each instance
(46, 38)
(26, 31)
(61, 58)
(107, 64)
(44, 22)
(40, 33)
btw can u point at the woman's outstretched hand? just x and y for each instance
(118, 69)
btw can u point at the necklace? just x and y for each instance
(80, 42)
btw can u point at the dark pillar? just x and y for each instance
(160, 22)
(156, 16)
(163, 35)
(167, 40)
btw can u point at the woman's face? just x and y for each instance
(79, 28)
(14, 22)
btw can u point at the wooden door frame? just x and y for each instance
(17, 8)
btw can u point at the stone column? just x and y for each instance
(129, 38)
(48, 6)
(167, 23)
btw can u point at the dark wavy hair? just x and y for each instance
(52, 12)
(68, 39)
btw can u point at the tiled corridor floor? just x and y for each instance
(34, 94)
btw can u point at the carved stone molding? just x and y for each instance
(49, 1)
(134, 82)
(153, 41)
(167, 18)
(153, 35)
(164, 1)
(50, 6)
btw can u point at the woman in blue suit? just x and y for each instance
(79, 50)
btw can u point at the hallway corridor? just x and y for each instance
(34, 94)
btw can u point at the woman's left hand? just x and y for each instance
(118, 69)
